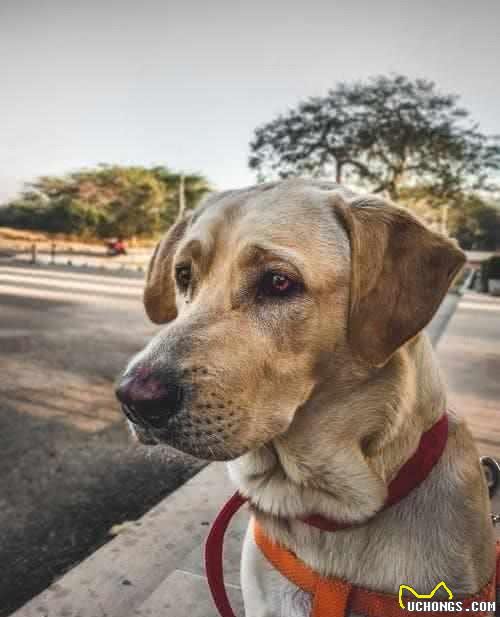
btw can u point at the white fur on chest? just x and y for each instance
(266, 592)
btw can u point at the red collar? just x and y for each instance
(412, 474)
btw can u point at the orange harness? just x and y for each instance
(334, 597)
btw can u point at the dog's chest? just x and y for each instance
(294, 602)
(266, 592)
(285, 600)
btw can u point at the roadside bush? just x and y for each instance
(61, 216)
(494, 267)
(489, 269)
(106, 201)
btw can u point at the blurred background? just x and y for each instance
(116, 115)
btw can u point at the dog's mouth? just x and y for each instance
(171, 409)
(143, 435)
(189, 438)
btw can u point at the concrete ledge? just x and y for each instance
(184, 594)
(152, 563)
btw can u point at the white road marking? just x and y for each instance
(33, 273)
(66, 296)
(122, 289)
(480, 306)
(10, 333)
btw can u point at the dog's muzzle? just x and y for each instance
(147, 400)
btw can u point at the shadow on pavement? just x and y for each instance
(65, 491)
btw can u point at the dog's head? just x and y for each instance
(267, 292)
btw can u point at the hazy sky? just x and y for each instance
(185, 83)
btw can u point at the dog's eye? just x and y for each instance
(183, 276)
(276, 284)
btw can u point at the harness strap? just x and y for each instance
(334, 597)
(214, 546)
(330, 596)
(411, 475)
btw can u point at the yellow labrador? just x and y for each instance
(294, 349)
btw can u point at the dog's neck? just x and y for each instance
(332, 465)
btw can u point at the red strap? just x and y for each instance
(411, 475)
(418, 467)
(214, 554)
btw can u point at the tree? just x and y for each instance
(475, 224)
(195, 187)
(110, 200)
(468, 217)
(384, 134)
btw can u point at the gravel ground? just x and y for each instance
(68, 468)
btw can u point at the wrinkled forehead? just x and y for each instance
(299, 224)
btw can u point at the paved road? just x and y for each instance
(469, 355)
(68, 469)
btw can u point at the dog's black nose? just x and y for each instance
(148, 401)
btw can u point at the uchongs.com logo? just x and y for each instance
(425, 602)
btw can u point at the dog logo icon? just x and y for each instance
(423, 596)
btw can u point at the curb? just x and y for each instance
(138, 272)
(120, 576)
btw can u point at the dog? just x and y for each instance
(294, 349)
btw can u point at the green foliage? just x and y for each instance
(474, 223)
(489, 269)
(195, 187)
(469, 217)
(106, 201)
(383, 134)
(494, 267)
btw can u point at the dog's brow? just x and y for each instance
(192, 250)
(259, 252)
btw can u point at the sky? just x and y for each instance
(185, 83)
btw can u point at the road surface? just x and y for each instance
(469, 356)
(68, 469)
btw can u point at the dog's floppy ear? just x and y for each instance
(159, 292)
(401, 271)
